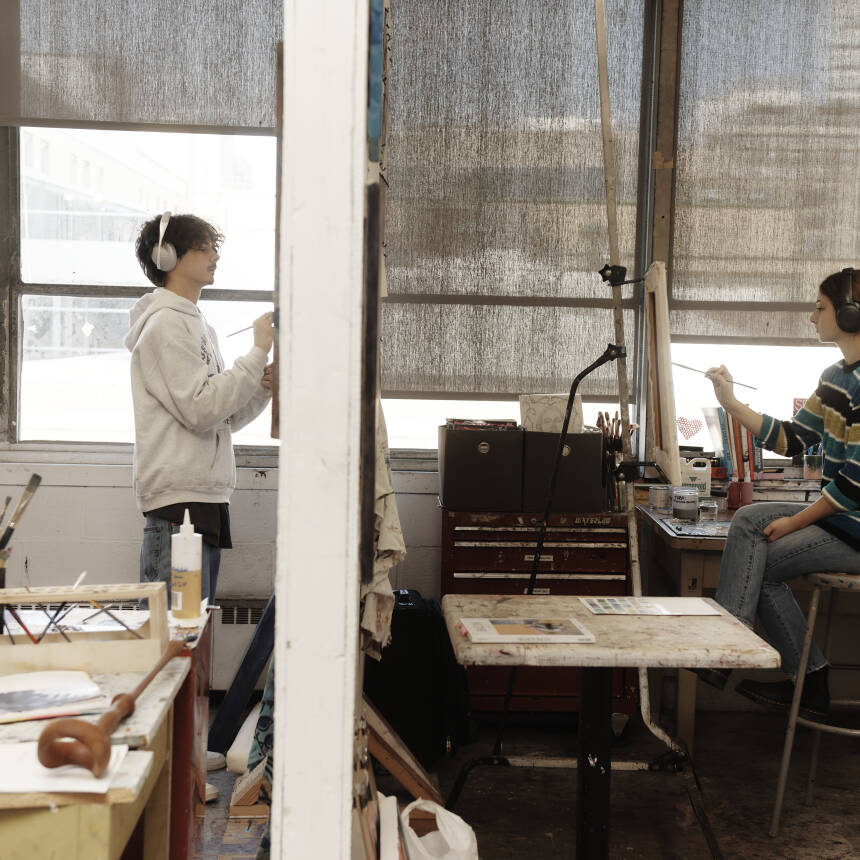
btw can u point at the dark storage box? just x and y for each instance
(480, 470)
(579, 487)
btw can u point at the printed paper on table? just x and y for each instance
(529, 630)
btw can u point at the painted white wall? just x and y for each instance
(84, 517)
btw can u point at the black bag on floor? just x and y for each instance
(418, 686)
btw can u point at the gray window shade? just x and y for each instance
(199, 63)
(496, 196)
(767, 164)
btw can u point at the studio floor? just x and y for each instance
(527, 813)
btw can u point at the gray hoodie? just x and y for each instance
(185, 404)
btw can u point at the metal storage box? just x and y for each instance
(480, 470)
(579, 487)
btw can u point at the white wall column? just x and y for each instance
(317, 569)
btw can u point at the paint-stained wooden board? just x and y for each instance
(661, 403)
(385, 746)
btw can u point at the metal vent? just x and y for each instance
(52, 607)
(241, 611)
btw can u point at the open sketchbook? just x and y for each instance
(541, 630)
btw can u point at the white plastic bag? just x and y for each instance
(454, 840)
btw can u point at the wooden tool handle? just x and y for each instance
(90, 744)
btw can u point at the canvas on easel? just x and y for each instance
(661, 391)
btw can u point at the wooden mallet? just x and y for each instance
(90, 747)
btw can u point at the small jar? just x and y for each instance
(685, 503)
(660, 499)
(708, 510)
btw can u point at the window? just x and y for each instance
(778, 373)
(81, 208)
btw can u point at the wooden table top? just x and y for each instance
(664, 641)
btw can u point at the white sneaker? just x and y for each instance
(215, 760)
(212, 793)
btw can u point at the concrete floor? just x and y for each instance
(527, 813)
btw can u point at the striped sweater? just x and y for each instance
(831, 416)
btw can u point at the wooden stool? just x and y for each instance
(835, 582)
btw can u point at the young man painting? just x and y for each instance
(186, 403)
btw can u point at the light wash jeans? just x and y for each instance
(754, 571)
(155, 558)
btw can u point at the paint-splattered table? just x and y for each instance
(641, 641)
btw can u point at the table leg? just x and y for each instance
(686, 710)
(593, 769)
(691, 582)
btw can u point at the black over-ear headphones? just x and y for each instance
(848, 312)
(164, 254)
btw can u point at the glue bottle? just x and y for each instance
(186, 560)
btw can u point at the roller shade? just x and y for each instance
(193, 64)
(495, 221)
(768, 173)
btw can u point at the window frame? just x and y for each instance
(11, 335)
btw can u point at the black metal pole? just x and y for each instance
(594, 764)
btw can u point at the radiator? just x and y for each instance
(234, 623)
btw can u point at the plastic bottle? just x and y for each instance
(186, 559)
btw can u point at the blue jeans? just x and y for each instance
(155, 558)
(754, 572)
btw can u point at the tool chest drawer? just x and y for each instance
(494, 553)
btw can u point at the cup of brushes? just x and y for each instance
(5, 549)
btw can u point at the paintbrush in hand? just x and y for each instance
(29, 490)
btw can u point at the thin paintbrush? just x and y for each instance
(5, 507)
(696, 370)
(29, 490)
(247, 328)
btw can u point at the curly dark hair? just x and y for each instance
(183, 232)
(831, 286)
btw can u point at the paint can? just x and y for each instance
(685, 503)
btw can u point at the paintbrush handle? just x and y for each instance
(29, 490)
(704, 373)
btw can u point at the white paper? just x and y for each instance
(22, 772)
(540, 630)
(649, 606)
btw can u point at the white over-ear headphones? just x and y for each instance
(164, 254)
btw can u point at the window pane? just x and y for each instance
(413, 424)
(226, 318)
(74, 377)
(799, 369)
(85, 193)
(75, 374)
